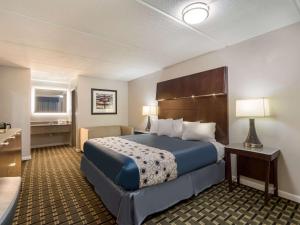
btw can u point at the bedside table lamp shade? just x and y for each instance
(252, 108)
(146, 110)
(149, 111)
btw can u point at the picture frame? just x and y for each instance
(103, 101)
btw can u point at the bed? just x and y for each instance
(116, 177)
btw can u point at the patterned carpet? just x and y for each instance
(55, 192)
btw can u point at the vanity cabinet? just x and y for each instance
(44, 134)
(10, 153)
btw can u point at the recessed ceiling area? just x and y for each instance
(126, 39)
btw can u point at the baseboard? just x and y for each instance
(254, 184)
(289, 196)
(28, 157)
(258, 186)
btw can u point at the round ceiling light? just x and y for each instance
(195, 13)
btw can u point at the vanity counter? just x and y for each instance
(45, 134)
(7, 134)
(43, 124)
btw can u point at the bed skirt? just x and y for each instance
(132, 207)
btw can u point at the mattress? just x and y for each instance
(122, 170)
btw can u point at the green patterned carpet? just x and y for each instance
(55, 192)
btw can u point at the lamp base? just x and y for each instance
(252, 140)
(148, 124)
(251, 145)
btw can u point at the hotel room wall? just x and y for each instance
(15, 85)
(265, 66)
(83, 113)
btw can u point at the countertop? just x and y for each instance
(264, 150)
(6, 134)
(49, 124)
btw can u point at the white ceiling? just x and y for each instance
(125, 39)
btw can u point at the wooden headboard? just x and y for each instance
(197, 97)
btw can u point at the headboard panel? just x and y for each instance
(208, 104)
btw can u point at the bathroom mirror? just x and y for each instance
(50, 101)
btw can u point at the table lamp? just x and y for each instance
(252, 108)
(149, 111)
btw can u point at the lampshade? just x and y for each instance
(253, 108)
(149, 110)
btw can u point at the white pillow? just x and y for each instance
(177, 128)
(188, 122)
(165, 127)
(199, 131)
(154, 126)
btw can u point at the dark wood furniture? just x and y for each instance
(198, 97)
(260, 164)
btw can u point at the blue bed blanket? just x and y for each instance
(122, 170)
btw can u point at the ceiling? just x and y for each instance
(125, 39)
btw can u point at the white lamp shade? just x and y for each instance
(146, 110)
(149, 110)
(252, 108)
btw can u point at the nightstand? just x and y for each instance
(141, 132)
(259, 164)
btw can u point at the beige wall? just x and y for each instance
(84, 117)
(15, 102)
(266, 66)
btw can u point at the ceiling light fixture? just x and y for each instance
(195, 13)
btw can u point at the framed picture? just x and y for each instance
(104, 101)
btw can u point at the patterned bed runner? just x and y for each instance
(155, 165)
